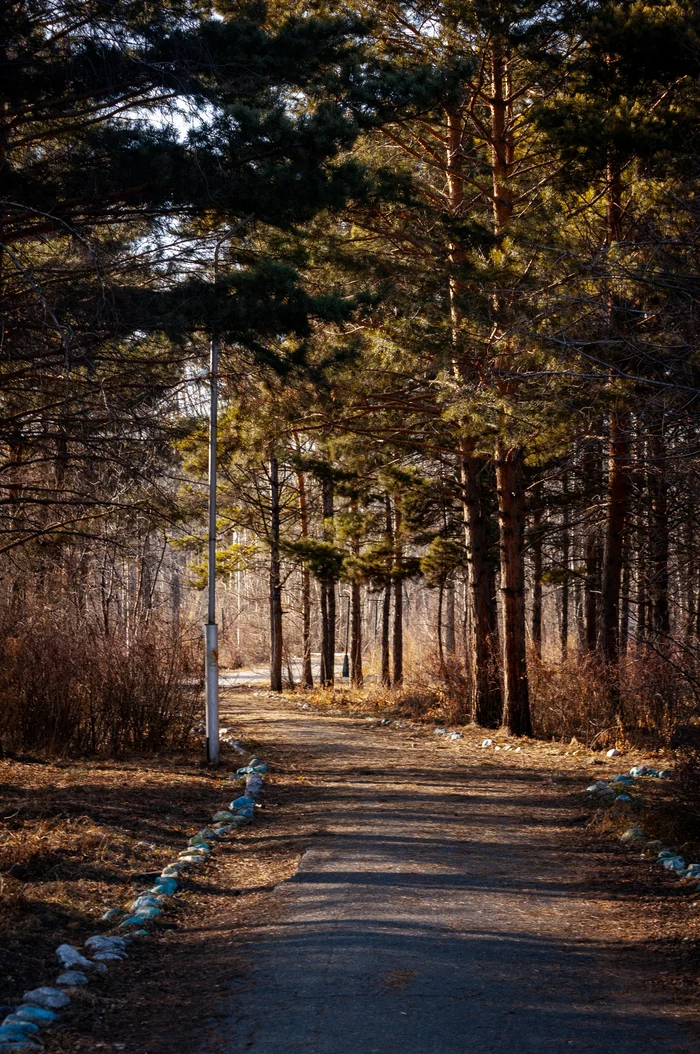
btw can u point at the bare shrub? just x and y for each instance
(444, 688)
(659, 689)
(65, 687)
(687, 781)
(659, 692)
(571, 699)
(430, 692)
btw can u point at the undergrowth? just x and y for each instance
(570, 699)
(67, 687)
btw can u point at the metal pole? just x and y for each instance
(211, 631)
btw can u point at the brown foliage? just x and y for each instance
(67, 687)
(73, 839)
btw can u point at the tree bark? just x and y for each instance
(658, 535)
(625, 594)
(592, 554)
(323, 671)
(691, 573)
(356, 673)
(386, 620)
(450, 637)
(511, 508)
(565, 561)
(509, 460)
(275, 580)
(618, 495)
(618, 470)
(386, 605)
(307, 676)
(175, 598)
(641, 599)
(486, 701)
(398, 601)
(536, 546)
(328, 595)
(501, 139)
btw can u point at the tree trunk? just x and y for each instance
(618, 494)
(275, 580)
(625, 594)
(565, 561)
(328, 613)
(464, 623)
(501, 138)
(511, 509)
(450, 637)
(386, 619)
(328, 594)
(307, 673)
(398, 601)
(386, 605)
(536, 545)
(485, 703)
(580, 620)
(323, 671)
(691, 574)
(441, 653)
(175, 594)
(509, 466)
(642, 604)
(658, 534)
(482, 633)
(356, 674)
(592, 554)
(618, 470)
(307, 676)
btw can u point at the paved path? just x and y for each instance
(260, 674)
(440, 914)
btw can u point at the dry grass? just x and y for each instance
(205, 959)
(429, 693)
(570, 698)
(73, 840)
(661, 813)
(573, 698)
(66, 686)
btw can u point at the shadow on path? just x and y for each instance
(439, 914)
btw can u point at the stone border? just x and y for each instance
(615, 791)
(21, 1029)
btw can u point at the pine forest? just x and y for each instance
(367, 336)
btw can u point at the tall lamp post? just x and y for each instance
(211, 630)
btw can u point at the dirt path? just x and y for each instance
(437, 914)
(444, 902)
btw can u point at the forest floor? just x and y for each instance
(398, 892)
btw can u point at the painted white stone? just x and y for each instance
(71, 959)
(49, 998)
(72, 977)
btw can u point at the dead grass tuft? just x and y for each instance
(66, 688)
(73, 841)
